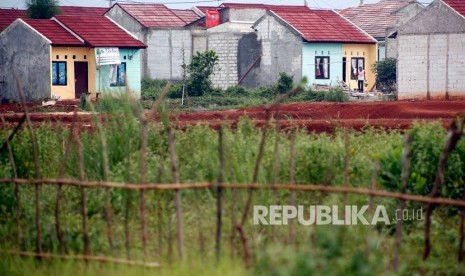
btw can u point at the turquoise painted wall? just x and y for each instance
(133, 74)
(333, 50)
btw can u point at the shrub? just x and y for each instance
(200, 70)
(237, 91)
(285, 82)
(336, 95)
(151, 89)
(385, 72)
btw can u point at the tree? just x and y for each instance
(200, 69)
(285, 82)
(42, 9)
(385, 72)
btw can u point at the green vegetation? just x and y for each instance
(199, 71)
(385, 72)
(42, 9)
(320, 158)
(236, 96)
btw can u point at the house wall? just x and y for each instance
(430, 62)
(167, 50)
(367, 51)
(224, 41)
(311, 50)
(249, 15)
(117, 14)
(407, 13)
(81, 54)
(26, 55)
(133, 74)
(281, 49)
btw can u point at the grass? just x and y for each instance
(231, 98)
(328, 250)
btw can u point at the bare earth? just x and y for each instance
(319, 117)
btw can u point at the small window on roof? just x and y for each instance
(66, 56)
(85, 57)
(74, 56)
(58, 56)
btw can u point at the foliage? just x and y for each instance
(385, 72)
(152, 89)
(330, 251)
(285, 82)
(199, 70)
(42, 9)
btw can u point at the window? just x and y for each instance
(118, 74)
(322, 68)
(59, 73)
(355, 64)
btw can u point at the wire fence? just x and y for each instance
(219, 187)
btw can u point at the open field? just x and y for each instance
(53, 202)
(319, 117)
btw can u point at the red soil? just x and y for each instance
(320, 117)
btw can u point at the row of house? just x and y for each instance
(254, 42)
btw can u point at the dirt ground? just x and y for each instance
(319, 117)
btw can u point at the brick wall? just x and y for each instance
(431, 66)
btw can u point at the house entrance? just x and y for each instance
(81, 79)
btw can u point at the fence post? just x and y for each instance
(219, 195)
(177, 196)
(83, 193)
(35, 151)
(404, 180)
(15, 175)
(453, 136)
(292, 182)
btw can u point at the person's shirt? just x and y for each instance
(361, 75)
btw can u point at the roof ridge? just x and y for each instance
(172, 12)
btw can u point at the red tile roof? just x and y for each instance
(375, 18)
(314, 25)
(99, 31)
(71, 10)
(458, 5)
(188, 16)
(153, 15)
(54, 32)
(7, 16)
(321, 25)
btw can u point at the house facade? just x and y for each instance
(430, 61)
(165, 33)
(325, 55)
(63, 56)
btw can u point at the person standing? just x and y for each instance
(361, 78)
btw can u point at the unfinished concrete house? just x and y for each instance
(163, 31)
(377, 18)
(430, 61)
(269, 39)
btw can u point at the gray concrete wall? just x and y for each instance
(249, 55)
(430, 61)
(26, 55)
(165, 52)
(406, 14)
(249, 15)
(436, 18)
(431, 67)
(225, 44)
(281, 49)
